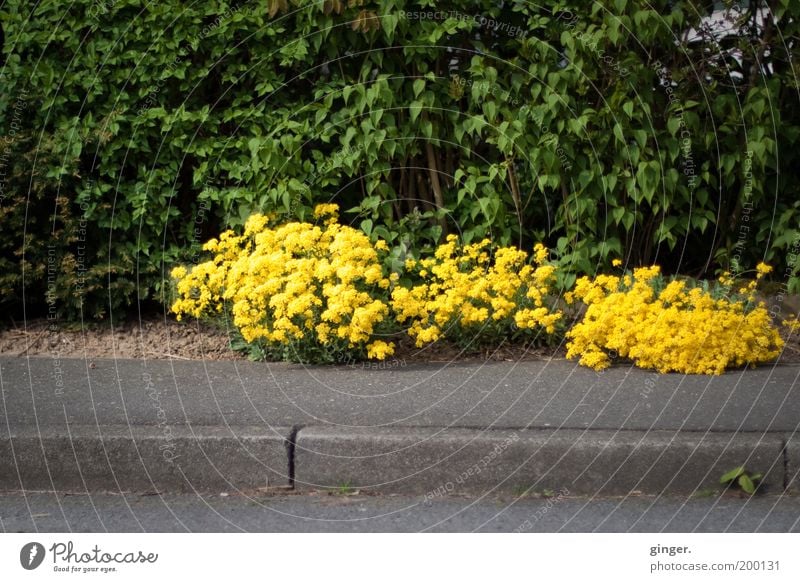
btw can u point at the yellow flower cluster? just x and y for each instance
(672, 327)
(296, 282)
(322, 286)
(792, 323)
(463, 288)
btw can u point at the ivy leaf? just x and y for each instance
(415, 108)
(490, 109)
(627, 107)
(618, 133)
(673, 124)
(346, 92)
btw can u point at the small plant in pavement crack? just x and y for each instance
(346, 488)
(741, 478)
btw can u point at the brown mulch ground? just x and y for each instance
(155, 336)
(152, 337)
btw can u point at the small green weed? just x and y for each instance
(743, 479)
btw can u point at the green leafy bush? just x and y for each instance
(149, 127)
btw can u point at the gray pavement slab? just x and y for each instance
(529, 394)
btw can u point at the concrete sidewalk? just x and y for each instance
(435, 430)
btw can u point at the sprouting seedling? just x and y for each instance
(345, 488)
(741, 477)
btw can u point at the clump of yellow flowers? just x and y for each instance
(319, 293)
(463, 291)
(671, 326)
(308, 286)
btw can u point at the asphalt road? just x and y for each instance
(349, 512)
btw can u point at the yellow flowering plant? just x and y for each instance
(672, 325)
(469, 294)
(792, 324)
(298, 291)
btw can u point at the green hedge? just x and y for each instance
(133, 130)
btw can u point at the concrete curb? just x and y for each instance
(428, 461)
(129, 425)
(792, 477)
(437, 462)
(145, 458)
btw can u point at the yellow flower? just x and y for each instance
(540, 253)
(295, 282)
(378, 350)
(677, 330)
(792, 324)
(255, 224)
(616, 263)
(464, 290)
(178, 272)
(326, 210)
